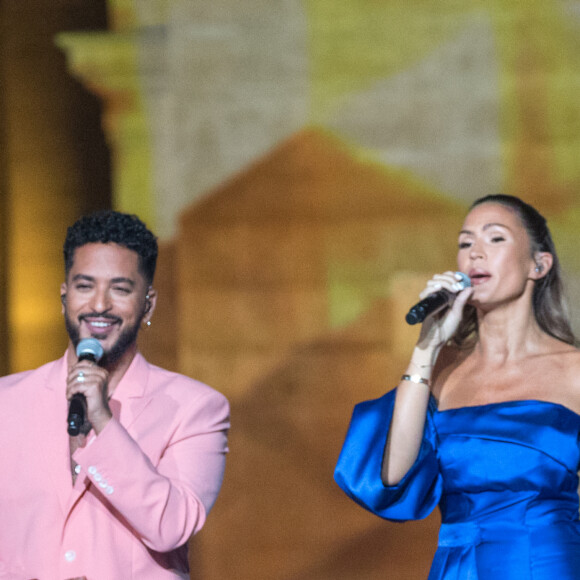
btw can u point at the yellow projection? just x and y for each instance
(356, 43)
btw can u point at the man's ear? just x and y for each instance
(150, 303)
(63, 289)
(543, 264)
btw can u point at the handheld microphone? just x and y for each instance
(87, 349)
(435, 302)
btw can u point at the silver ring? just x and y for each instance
(81, 377)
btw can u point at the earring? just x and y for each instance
(148, 324)
(539, 268)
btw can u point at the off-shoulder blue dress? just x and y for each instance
(504, 476)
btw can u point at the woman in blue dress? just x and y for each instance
(485, 422)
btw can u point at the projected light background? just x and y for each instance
(307, 164)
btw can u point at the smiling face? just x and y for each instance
(495, 251)
(106, 297)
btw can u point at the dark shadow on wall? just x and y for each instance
(4, 338)
(54, 163)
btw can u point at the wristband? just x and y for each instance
(415, 379)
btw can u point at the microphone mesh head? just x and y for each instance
(90, 347)
(465, 280)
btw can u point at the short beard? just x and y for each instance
(110, 357)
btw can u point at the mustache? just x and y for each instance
(100, 315)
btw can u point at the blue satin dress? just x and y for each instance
(504, 476)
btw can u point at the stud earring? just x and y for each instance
(539, 268)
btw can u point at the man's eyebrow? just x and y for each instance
(83, 277)
(122, 280)
(118, 280)
(486, 227)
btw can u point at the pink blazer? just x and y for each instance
(146, 483)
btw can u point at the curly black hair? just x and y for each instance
(112, 226)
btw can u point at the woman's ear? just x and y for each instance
(543, 264)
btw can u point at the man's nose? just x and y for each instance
(101, 300)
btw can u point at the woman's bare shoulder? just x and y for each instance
(559, 376)
(568, 359)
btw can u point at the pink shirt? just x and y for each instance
(144, 485)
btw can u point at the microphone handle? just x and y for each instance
(428, 305)
(76, 414)
(77, 409)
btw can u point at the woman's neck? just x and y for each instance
(509, 334)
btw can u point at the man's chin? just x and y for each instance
(106, 342)
(123, 346)
(114, 347)
(76, 338)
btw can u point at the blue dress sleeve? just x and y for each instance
(358, 471)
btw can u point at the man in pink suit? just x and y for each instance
(119, 500)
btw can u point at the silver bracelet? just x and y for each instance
(415, 379)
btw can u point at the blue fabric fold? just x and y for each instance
(504, 476)
(358, 471)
